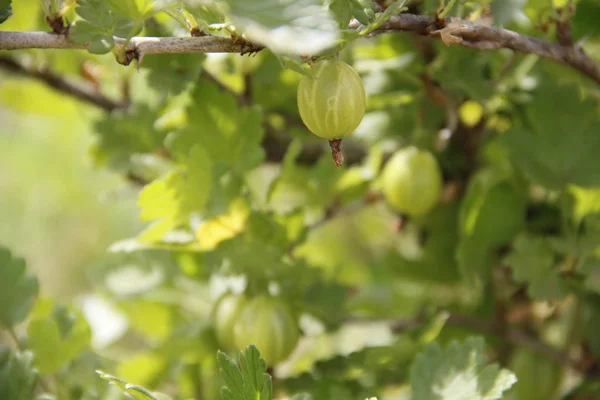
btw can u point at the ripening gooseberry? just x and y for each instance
(412, 181)
(332, 102)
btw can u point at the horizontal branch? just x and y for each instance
(140, 44)
(450, 30)
(483, 37)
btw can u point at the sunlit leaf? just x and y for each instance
(246, 380)
(459, 371)
(301, 27)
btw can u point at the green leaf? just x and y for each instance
(300, 27)
(493, 209)
(17, 290)
(170, 201)
(17, 375)
(507, 10)
(136, 10)
(364, 10)
(249, 381)
(585, 21)
(463, 70)
(341, 10)
(263, 242)
(134, 391)
(563, 131)
(491, 213)
(532, 262)
(591, 322)
(532, 368)
(344, 10)
(122, 134)
(475, 261)
(591, 270)
(173, 73)
(459, 371)
(44, 340)
(183, 16)
(99, 25)
(587, 201)
(5, 10)
(295, 65)
(229, 133)
(57, 335)
(393, 9)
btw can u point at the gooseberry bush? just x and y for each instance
(450, 250)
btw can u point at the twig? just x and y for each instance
(76, 88)
(143, 45)
(482, 37)
(455, 30)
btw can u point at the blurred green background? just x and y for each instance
(57, 210)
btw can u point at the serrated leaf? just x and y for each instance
(17, 375)
(563, 131)
(170, 201)
(99, 25)
(57, 336)
(263, 242)
(134, 391)
(300, 27)
(532, 262)
(459, 372)
(248, 381)
(17, 289)
(124, 134)
(174, 73)
(229, 133)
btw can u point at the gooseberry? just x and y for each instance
(269, 324)
(332, 101)
(412, 181)
(224, 315)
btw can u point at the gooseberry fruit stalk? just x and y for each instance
(332, 102)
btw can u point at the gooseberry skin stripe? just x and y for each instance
(332, 102)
